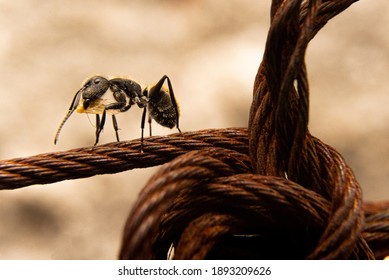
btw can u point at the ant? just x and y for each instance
(102, 96)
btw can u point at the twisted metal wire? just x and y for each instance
(280, 107)
(114, 157)
(272, 191)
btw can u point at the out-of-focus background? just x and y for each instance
(211, 50)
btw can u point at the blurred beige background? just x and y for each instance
(211, 50)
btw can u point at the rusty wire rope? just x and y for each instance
(114, 157)
(272, 191)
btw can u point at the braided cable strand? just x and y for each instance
(281, 102)
(185, 172)
(204, 182)
(346, 219)
(376, 233)
(203, 233)
(196, 202)
(114, 157)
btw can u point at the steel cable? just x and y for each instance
(280, 108)
(114, 157)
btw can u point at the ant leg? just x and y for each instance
(158, 87)
(115, 126)
(121, 104)
(142, 126)
(99, 125)
(149, 121)
(173, 99)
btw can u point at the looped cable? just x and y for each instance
(280, 143)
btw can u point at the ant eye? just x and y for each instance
(97, 81)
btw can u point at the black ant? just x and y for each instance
(102, 96)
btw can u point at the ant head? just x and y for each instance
(94, 88)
